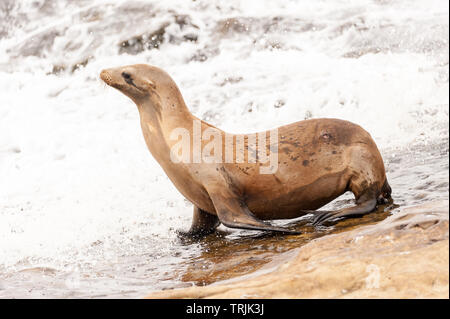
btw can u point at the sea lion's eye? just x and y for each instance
(127, 78)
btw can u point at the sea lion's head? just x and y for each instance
(142, 83)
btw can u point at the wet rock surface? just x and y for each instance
(404, 256)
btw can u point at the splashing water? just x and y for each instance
(86, 211)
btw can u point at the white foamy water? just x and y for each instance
(79, 191)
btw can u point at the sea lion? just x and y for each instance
(317, 161)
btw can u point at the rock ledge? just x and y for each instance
(404, 256)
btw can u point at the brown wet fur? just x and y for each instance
(318, 160)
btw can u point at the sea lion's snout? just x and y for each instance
(106, 77)
(117, 79)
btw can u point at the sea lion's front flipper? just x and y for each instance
(234, 213)
(203, 223)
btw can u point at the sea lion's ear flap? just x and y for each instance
(150, 84)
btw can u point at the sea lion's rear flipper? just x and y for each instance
(234, 213)
(363, 206)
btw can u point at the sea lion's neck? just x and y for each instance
(160, 119)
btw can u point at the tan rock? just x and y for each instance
(404, 256)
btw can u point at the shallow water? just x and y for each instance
(84, 209)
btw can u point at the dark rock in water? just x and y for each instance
(239, 25)
(230, 80)
(80, 64)
(183, 21)
(359, 53)
(58, 68)
(154, 39)
(199, 56)
(204, 54)
(234, 25)
(190, 37)
(143, 42)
